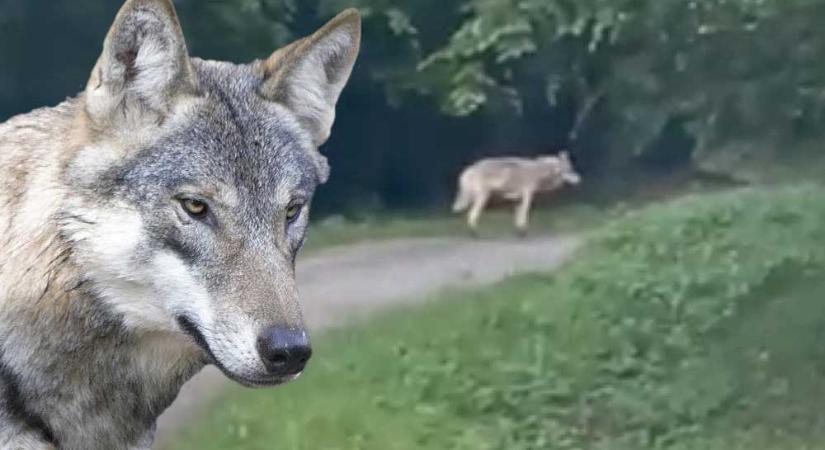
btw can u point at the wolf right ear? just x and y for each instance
(144, 66)
(308, 76)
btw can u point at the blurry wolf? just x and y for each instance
(149, 226)
(512, 179)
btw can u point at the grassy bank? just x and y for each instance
(693, 325)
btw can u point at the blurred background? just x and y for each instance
(732, 88)
(673, 300)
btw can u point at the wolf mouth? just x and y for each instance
(192, 330)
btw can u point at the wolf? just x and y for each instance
(511, 178)
(149, 227)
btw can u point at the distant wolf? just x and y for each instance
(149, 226)
(511, 178)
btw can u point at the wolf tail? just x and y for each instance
(462, 200)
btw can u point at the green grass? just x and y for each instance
(694, 325)
(336, 230)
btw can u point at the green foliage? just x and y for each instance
(724, 71)
(730, 86)
(741, 79)
(693, 325)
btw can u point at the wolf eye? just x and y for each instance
(195, 208)
(293, 211)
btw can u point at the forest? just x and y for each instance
(635, 89)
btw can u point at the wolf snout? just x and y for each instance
(284, 351)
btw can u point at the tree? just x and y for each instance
(725, 72)
(731, 86)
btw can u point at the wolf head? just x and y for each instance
(568, 172)
(190, 195)
(562, 167)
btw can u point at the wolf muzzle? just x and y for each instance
(285, 352)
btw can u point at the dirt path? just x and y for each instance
(344, 283)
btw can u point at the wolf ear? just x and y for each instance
(144, 66)
(308, 75)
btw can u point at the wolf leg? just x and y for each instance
(479, 202)
(523, 212)
(462, 200)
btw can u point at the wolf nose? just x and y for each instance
(284, 351)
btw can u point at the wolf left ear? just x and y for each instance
(144, 66)
(308, 75)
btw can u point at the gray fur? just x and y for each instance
(111, 294)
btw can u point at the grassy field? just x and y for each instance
(694, 325)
